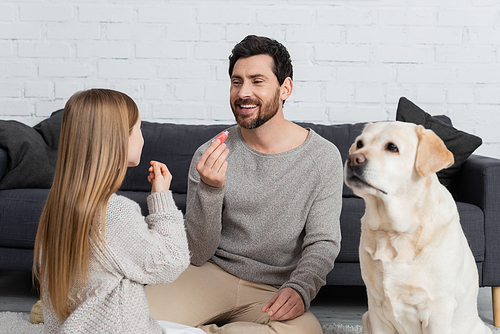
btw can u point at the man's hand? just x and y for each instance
(212, 165)
(287, 304)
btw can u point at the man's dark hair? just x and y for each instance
(257, 45)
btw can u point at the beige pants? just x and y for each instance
(209, 298)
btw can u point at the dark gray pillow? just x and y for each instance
(460, 143)
(32, 152)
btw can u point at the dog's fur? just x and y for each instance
(417, 266)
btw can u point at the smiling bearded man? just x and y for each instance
(262, 214)
(241, 111)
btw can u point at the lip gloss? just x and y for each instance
(222, 137)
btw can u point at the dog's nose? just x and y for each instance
(356, 159)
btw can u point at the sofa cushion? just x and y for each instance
(4, 160)
(471, 219)
(172, 144)
(350, 227)
(20, 211)
(30, 203)
(343, 136)
(175, 144)
(460, 143)
(32, 152)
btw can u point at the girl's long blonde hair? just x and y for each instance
(91, 165)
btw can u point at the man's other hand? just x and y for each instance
(287, 304)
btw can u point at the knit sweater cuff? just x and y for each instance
(161, 201)
(305, 297)
(212, 191)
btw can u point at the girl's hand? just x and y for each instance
(159, 177)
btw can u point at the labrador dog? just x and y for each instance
(417, 266)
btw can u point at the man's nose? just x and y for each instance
(245, 91)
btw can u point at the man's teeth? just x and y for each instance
(248, 106)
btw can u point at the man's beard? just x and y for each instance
(266, 112)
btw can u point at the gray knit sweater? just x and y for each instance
(138, 251)
(276, 220)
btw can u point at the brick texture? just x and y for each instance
(352, 60)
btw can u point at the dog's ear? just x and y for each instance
(432, 154)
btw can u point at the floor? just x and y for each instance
(341, 305)
(346, 305)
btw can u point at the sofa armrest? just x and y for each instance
(4, 161)
(479, 184)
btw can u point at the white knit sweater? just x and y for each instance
(138, 250)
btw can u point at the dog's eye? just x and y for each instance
(359, 144)
(391, 147)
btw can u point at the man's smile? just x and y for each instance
(247, 108)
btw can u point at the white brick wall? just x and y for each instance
(352, 60)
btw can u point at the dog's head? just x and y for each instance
(389, 158)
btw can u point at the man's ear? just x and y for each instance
(286, 89)
(432, 154)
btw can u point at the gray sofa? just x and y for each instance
(475, 186)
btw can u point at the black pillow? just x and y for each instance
(32, 152)
(460, 143)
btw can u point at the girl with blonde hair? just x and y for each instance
(94, 251)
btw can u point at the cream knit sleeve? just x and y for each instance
(147, 250)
